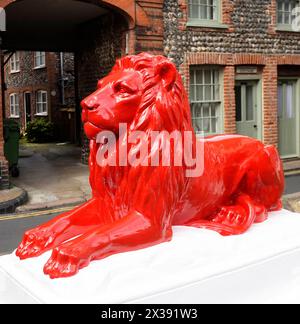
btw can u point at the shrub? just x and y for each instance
(40, 131)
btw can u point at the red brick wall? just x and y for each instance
(1, 136)
(1, 128)
(4, 174)
(229, 99)
(4, 181)
(227, 9)
(53, 85)
(271, 11)
(270, 132)
(150, 39)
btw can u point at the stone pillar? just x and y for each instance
(4, 174)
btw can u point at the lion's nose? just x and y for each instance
(89, 104)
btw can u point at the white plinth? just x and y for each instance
(198, 266)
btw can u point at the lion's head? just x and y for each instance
(144, 91)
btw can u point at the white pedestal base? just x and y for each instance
(198, 266)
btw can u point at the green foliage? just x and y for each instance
(40, 131)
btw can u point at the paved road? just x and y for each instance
(11, 230)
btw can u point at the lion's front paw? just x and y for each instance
(65, 261)
(35, 242)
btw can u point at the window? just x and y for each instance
(14, 105)
(41, 103)
(39, 59)
(205, 100)
(15, 63)
(285, 14)
(204, 10)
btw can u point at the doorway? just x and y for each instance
(248, 108)
(288, 117)
(27, 108)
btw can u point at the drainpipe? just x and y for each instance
(62, 81)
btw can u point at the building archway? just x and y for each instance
(97, 31)
(94, 30)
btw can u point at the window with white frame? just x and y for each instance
(204, 10)
(15, 62)
(14, 105)
(285, 14)
(41, 103)
(39, 59)
(205, 99)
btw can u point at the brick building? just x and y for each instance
(241, 65)
(41, 85)
(240, 59)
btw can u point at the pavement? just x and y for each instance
(52, 176)
(291, 167)
(11, 198)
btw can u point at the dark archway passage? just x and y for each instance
(93, 31)
(96, 31)
(50, 25)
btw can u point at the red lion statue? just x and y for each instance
(133, 207)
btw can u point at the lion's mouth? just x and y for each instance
(91, 130)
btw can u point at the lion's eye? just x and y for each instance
(121, 88)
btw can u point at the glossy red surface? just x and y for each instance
(136, 206)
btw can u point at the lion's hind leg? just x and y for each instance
(235, 219)
(259, 192)
(275, 178)
(264, 179)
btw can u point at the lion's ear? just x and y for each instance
(167, 73)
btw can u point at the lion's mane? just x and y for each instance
(161, 109)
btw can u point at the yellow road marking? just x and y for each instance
(37, 213)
